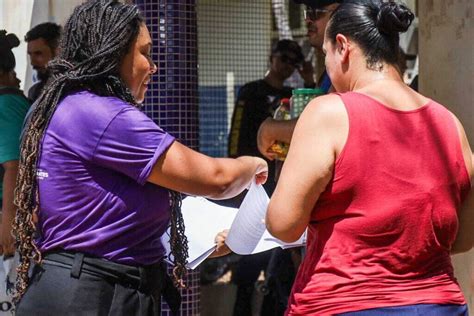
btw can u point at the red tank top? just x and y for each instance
(381, 232)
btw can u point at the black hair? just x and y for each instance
(288, 46)
(96, 37)
(50, 32)
(374, 25)
(7, 59)
(317, 4)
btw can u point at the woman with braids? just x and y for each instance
(384, 188)
(98, 179)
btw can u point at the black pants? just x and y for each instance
(74, 284)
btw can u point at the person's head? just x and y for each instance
(286, 55)
(43, 43)
(105, 48)
(317, 14)
(366, 32)
(7, 60)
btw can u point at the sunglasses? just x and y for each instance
(315, 14)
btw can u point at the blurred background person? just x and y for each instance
(316, 15)
(381, 177)
(256, 101)
(43, 43)
(13, 108)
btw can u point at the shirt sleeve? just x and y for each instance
(12, 113)
(131, 144)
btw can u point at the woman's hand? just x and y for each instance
(271, 131)
(261, 174)
(221, 248)
(265, 140)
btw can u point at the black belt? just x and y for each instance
(152, 279)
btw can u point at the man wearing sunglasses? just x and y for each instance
(317, 14)
(257, 100)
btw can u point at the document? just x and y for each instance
(249, 224)
(204, 219)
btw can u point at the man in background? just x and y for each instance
(256, 101)
(317, 14)
(43, 42)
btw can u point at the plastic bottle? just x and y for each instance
(281, 113)
(300, 98)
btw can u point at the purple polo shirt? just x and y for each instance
(97, 154)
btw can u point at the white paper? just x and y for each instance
(249, 224)
(204, 219)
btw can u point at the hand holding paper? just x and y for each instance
(204, 220)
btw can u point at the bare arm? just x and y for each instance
(185, 170)
(318, 137)
(273, 130)
(465, 238)
(8, 208)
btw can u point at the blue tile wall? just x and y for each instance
(172, 100)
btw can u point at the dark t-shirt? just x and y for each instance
(35, 90)
(257, 100)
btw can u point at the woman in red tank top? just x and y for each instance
(380, 176)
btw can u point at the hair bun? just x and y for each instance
(393, 18)
(13, 40)
(8, 41)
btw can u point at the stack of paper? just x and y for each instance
(204, 219)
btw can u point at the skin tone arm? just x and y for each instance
(271, 131)
(307, 169)
(185, 170)
(8, 208)
(465, 238)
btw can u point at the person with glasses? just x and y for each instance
(256, 101)
(380, 177)
(316, 14)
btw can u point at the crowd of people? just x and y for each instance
(379, 175)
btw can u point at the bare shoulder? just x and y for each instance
(327, 109)
(329, 103)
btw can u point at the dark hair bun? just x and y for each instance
(393, 18)
(8, 41)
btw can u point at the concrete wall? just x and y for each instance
(446, 47)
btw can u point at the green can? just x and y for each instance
(301, 98)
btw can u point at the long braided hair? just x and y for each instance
(96, 37)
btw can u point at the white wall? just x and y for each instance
(446, 46)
